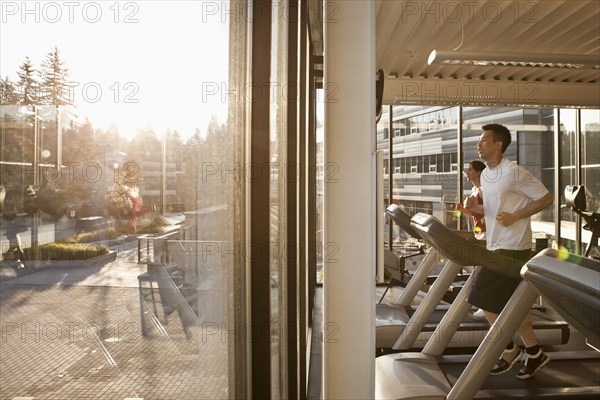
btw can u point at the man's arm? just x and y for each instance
(472, 205)
(534, 207)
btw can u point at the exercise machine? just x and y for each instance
(426, 375)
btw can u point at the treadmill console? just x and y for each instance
(575, 197)
(421, 219)
(575, 200)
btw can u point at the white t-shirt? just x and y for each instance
(507, 188)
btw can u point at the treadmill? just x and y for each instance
(424, 375)
(571, 285)
(400, 326)
(391, 319)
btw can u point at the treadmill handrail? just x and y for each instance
(402, 219)
(465, 251)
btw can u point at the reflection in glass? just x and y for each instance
(129, 240)
(590, 162)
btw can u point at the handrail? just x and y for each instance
(173, 234)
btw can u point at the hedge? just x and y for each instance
(63, 251)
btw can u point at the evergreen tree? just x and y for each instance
(79, 144)
(27, 84)
(8, 92)
(174, 148)
(54, 88)
(208, 168)
(54, 91)
(214, 153)
(187, 183)
(196, 138)
(145, 146)
(118, 142)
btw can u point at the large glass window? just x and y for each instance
(590, 160)
(426, 158)
(120, 171)
(532, 142)
(535, 144)
(474, 118)
(322, 172)
(568, 175)
(422, 179)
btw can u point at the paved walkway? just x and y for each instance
(76, 333)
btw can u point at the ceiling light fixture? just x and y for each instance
(493, 59)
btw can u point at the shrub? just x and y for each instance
(66, 251)
(94, 236)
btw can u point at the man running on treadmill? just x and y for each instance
(512, 196)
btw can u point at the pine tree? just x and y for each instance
(174, 148)
(8, 92)
(55, 90)
(27, 84)
(144, 146)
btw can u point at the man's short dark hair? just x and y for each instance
(500, 133)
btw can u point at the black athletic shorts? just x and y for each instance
(492, 290)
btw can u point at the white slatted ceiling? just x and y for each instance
(405, 37)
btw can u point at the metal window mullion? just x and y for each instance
(578, 178)
(292, 167)
(259, 257)
(312, 182)
(311, 207)
(557, 176)
(459, 157)
(238, 269)
(304, 233)
(390, 175)
(311, 223)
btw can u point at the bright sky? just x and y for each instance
(169, 56)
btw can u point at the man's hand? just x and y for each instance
(506, 219)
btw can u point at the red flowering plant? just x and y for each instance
(124, 203)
